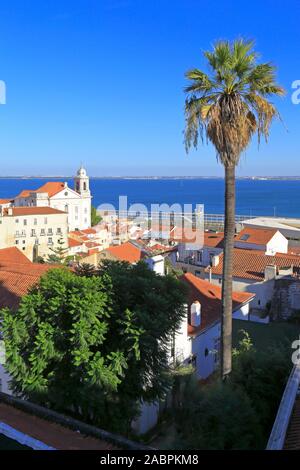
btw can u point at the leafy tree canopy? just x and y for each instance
(94, 346)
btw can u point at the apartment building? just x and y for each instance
(34, 230)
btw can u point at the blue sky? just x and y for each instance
(101, 81)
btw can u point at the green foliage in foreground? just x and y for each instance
(94, 346)
(239, 413)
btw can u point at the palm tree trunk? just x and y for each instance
(229, 230)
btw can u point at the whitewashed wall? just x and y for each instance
(205, 363)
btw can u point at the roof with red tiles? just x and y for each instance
(51, 187)
(13, 255)
(16, 279)
(256, 236)
(251, 264)
(5, 201)
(72, 242)
(89, 231)
(213, 240)
(126, 252)
(19, 211)
(209, 296)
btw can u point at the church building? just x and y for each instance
(76, 202)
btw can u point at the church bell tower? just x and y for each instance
(82, 183)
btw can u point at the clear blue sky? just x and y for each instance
(101, 81)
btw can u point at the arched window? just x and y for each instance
(77, 186)
(84, 186)
(66, 208)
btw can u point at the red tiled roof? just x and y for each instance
(51, 187)
(18, 211)
(89, 231)
(72, 242)
(126, 252)
(13, 255)
(16, 279)
(5, 201)
(213, 240)
(250, 264)
(209, 296)
(256, 236)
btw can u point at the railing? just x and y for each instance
(278, 434)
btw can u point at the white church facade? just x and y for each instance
(76, 202)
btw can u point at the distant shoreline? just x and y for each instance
(253, 178)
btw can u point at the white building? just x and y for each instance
(34, 230)
(75, 202)
(256, 272)
(270, 241)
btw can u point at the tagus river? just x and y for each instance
(253, 197)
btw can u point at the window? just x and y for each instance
(17, 221)
(17, 242)
(85, 220)
(66, 193)
(76, 209)
(84, 186)
(23, 233)
(33, 232)
(77, 186)
(42, 231)
(25, 222)
(59, 230)
(35, 222)
(85, 210)
(50, 241)
(23, 248)
(17, 233)
(50, 231)
(23, 242)
(66, 208)
(76, 217)
(199, 256)
(245, 237)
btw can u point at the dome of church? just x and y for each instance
(81, 171)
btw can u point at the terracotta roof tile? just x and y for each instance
(51, 187)
(250, 264)
(19, 211)
(256, 236)
(72, 242)
(16, 279)
(209, 296)
(13, 255)
(126, 252)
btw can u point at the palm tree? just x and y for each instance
(228, 106)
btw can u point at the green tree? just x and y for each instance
(95, 217)
(94, 346)
(59, 253)
(85, 269)
(229, 105)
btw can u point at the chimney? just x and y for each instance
(270, 272)
(196, 313)
(215, 260)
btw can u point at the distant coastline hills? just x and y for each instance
(259, 178)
